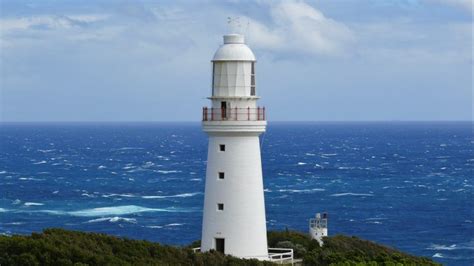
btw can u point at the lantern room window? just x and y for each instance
(252, 80)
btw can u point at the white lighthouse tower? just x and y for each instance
(234, 209)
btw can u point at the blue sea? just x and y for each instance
(405, 185)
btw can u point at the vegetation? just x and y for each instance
(342, 250)
(63, 247)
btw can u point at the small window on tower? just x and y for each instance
(221, 175)
(220, 206)
(221, 147)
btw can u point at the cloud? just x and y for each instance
(467, 5)
(48, 21)
(300, 28)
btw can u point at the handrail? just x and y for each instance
(279, 256)
(235, 114)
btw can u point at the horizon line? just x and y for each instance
(272, 121)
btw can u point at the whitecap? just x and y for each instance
(113, 220)
(467, 246)
(117, 210)
(125, 195)
(41, 162)
(16, 202)
(301, 190)
(154, 226)
(301, 163)
(101, 167)
(3, 172)
(30, 178)
(184, 195)
(438, 255)
(374, 222)
(195, 179)
(344, 168)
(351, 194)
(127, 148)
(166, 172)
(33, 204)
(15, 223)
(3, 210)
(173, 224)
(46, 151)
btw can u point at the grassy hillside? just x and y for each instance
(62, 247)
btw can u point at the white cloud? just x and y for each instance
(298, 27)
(467, 5)
(48, 21)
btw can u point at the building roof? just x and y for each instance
(234, 49)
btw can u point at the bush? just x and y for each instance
(62, 247)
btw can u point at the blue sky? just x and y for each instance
(359, 60)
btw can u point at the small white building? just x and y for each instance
(234, 208)
(318, 227)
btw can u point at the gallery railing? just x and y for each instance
(236, 114)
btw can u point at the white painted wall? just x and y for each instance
(242, 223)
(232, 78)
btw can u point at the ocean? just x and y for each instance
(408, 185)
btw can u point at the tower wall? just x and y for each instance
(242, 222)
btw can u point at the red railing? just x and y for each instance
(236, 114)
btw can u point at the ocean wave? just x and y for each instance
(154, 226)
(40, 162)
(173, 224)
(166, 172)
(125, 195)
(351, 194)
(3, 172)
(118, 210)
(301, 163)
(16, 202)
(30, 179)
(33, 204)
(3, 210)
(113, 220)
(127, 149)
(301, 190)
(184, 195)
(438, 255)
(46, 151)
(466, 246)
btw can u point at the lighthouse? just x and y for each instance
(234, 208)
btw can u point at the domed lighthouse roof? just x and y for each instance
(234, 49)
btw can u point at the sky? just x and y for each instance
(344, 60)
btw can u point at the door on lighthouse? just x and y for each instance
(224, 110)
(220, 245)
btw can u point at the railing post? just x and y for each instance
(236, 110)
(204, 114)
(212, 113)
(264, 113)
(248, 113)
(258, 113)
